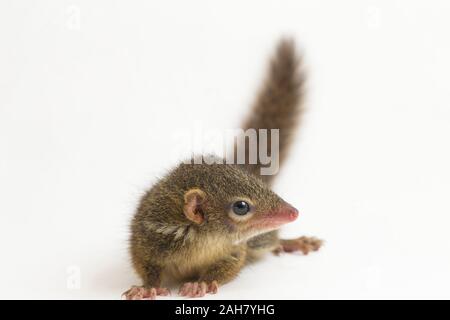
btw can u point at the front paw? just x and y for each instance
(144, 293)
(303, 244)
(198, 289)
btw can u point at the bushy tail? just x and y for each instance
(278, 104)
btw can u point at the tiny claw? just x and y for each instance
(198, 289)
(163, 291)
(184, 289)
(213, 287)
(194, 288)
(203, 289)
(144, 293)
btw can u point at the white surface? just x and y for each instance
(90, 92)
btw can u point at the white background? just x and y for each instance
(92, 91)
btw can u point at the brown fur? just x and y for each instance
(182, 230)
(279, 104)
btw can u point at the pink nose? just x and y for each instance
(285, 213)
(293, 213)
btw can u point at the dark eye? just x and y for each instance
(241, 208)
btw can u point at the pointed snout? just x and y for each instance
(287, 212)
(293, 213)
(273, 219)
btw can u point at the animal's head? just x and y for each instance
(226, 199)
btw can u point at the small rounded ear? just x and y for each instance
(194, 200)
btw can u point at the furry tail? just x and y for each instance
(277, 106)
